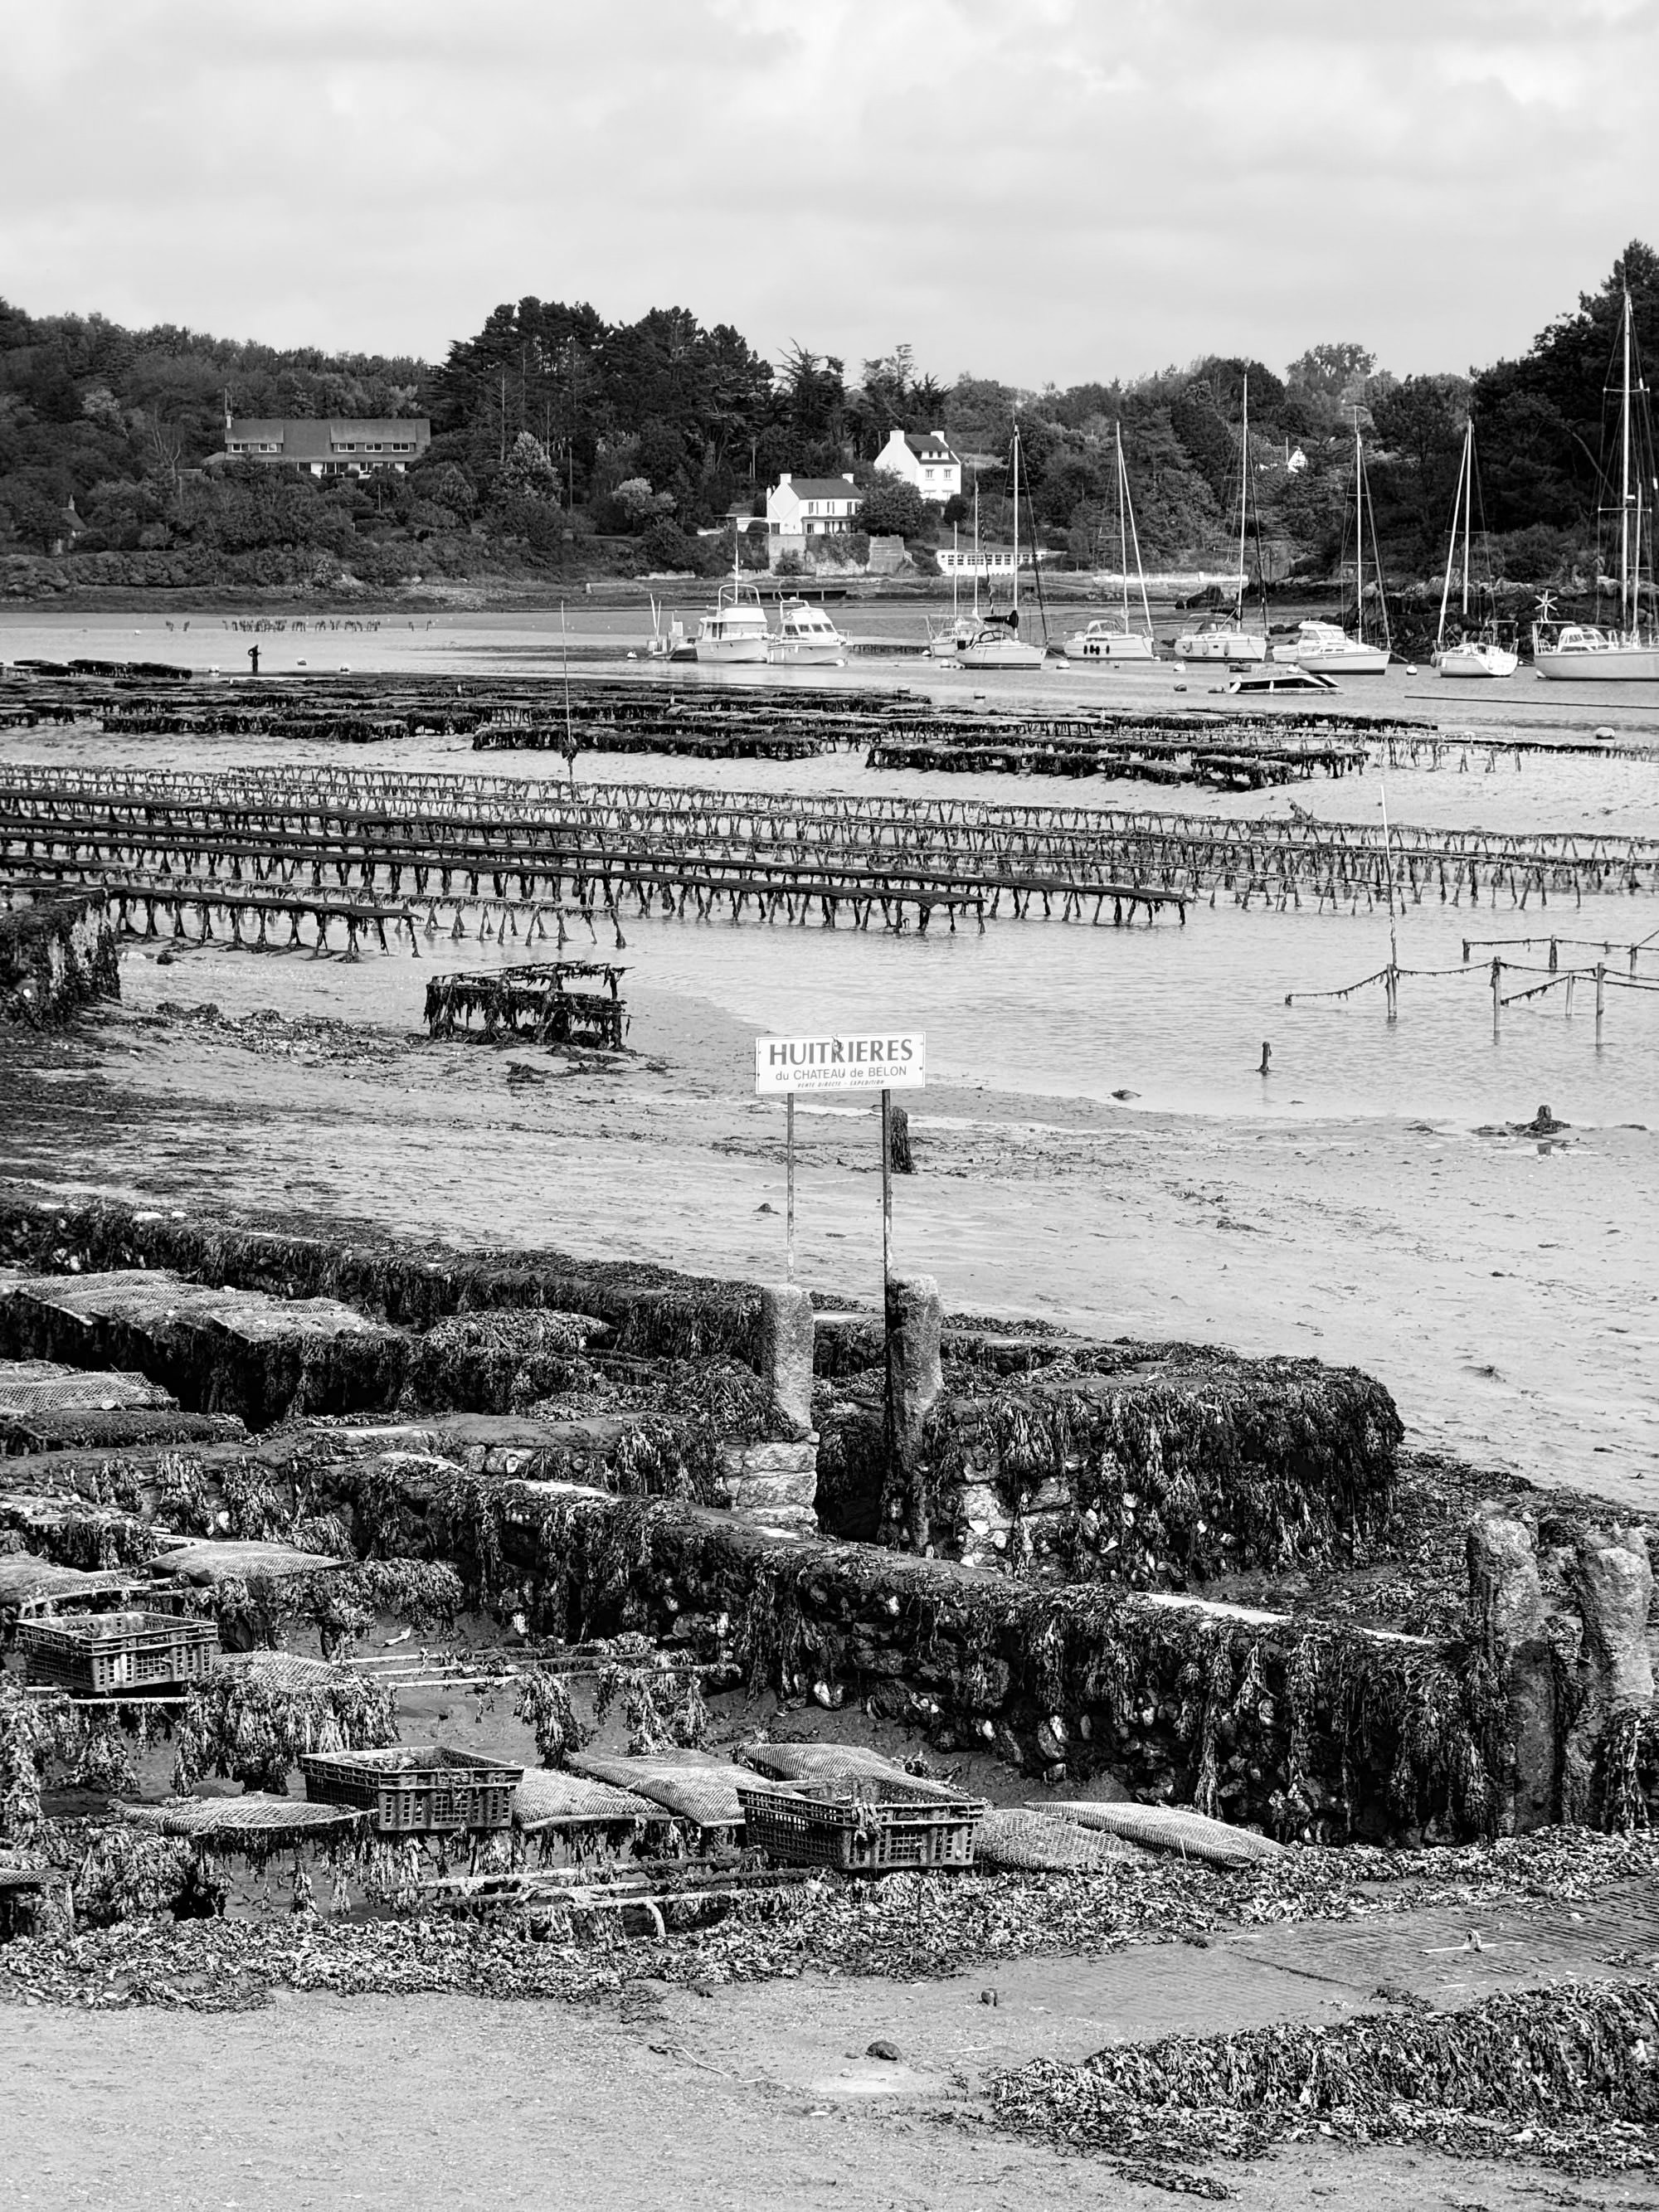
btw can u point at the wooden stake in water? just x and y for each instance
(1496, 994)
(1394, 933)
(1601, 999)
(569, 737)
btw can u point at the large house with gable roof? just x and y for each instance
(924, 459)
(801, 508)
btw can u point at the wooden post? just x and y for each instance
(1600, 997)
(889, 1395)
(1496, 994)
(789, 1192)
(886, 1191)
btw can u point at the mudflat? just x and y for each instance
(1499, 1283)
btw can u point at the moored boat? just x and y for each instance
(806, 638)
(1219, 638)
(1113, 639)
(1330, 648)
(996, 641)
(1471, 659)
(1327, 648)
(1476, 657)
(1226, 639)
(1109, 638)
(736, 631)
(994, 645)
(1578, 652)
(1627, 650)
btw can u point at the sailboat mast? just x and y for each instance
(956, 568)
(1468, 506)
(1243, 493)
(1015, 624)
(1359, 533)
(1626, 615)
(1451, 551)
(976, 552)
(1122, 527)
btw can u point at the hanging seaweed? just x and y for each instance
(246, 1726)
(544, 1700)
(662, 1702)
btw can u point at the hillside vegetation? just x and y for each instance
(565, 447)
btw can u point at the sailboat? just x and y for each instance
(944, 644)
(1326, 648)
(1220, 638)
(1113, 639)
(996, 643)
(1467, 656)
(736, 631)
(1628, 653)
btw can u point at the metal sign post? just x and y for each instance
(835, 1065)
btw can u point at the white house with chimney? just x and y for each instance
(800, 508)
(923, 459)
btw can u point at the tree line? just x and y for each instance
(567, 443)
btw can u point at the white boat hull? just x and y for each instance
(1358, 660)
(1128, 647)
(1468, 661)
(803, 653)
(728, 650)
(1232, 650)
(1607, 664)
(1001, 653)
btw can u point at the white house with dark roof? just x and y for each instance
(813, 507)
(329, 447)
(800, 508)
(924, 459)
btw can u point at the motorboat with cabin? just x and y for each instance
(735, 632)
(1327, 648)
(805, 638)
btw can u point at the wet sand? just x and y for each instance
(747, 2096)
(1501, 1286)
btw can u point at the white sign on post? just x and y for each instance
(857, 1061)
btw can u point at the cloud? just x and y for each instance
(1032, 189)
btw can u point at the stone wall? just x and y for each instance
(57, 953)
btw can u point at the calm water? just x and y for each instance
(1177, 1017)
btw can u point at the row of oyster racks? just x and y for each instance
(735, 631)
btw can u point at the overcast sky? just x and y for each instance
(1036, 190)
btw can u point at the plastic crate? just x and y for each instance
(101, 1655)
(415, 1789)
(825, 1824)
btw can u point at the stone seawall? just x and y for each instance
(56, 954)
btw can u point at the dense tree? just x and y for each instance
(1542, 421)
(550, 424)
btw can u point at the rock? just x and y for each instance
(882, 2048)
